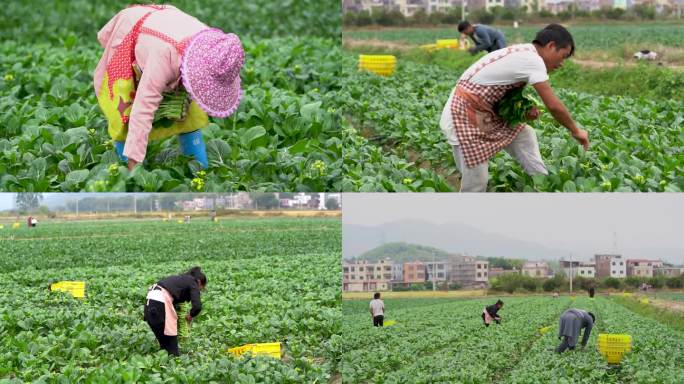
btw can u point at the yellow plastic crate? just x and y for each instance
(644, 301)
(16, 225)
(627, 294)
(615, 338)
(268, 349)
(613, 357)
(383, 65)
(389, 323)
(447, 43)
(75, 288)
(544, 330)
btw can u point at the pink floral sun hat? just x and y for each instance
(210, 70)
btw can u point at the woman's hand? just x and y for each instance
(188, 318)
(533, 113)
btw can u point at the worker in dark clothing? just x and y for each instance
(490, 313)
(163, 300)
(571, 323)
(485, 38)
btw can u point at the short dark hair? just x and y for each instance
(463, 25)
(499, 302)
(376, 295)
(593, 318)
(555, 33)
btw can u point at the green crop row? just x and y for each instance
(445, 342)
(636, 143)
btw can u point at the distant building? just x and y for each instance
(414, 272)
(467, 271)
(439, 269)
(605, 267)
(642, 267)
(363, 275)
(539, 269)
(668, 271)
(578, 268)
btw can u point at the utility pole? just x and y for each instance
(570, 272)
(434, 270)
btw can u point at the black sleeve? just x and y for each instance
(492, 310)
(195, 300)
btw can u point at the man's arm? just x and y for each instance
(560, 113)
(483, 41)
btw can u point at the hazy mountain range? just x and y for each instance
(462, 239)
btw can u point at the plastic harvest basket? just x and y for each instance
(76, 288)
(614, 346)
(447, 43)
(268, 349)
(383, 65)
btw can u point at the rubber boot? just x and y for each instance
(192, 144)
(119, 146)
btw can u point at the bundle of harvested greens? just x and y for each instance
(515, 105)
(173, 107)
(183, 326)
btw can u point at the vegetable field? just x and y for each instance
(636, 143)
(444, 341)
(268, 280)
(587, 37)
(284, 136)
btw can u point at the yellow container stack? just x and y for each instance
(447, 44)
(75, 288)
(268, 349)
(383, 65)
(389, 323)
(613, 346)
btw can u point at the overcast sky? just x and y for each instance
(578, 223)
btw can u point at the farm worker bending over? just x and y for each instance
(491, 313)
(377, 310)
(476, 133)
(485, 38)
(571, 322)
(164, 298)
(152, 49)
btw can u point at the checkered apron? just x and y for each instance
(481, 132)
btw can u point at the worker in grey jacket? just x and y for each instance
(571, 322)
(485, 38)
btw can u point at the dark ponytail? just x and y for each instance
(197, 273)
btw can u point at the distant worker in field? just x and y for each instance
(471, 122)
(571, 323)
(491, 313)
(592, 292)
(377, 310)
(163, 72)
(556, 295)
(163, 300)
(485, 37)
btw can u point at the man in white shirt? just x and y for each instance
(476, 133)
(377, 310)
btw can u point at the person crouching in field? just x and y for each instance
(485, 37)
(571, 323)
(155, 50)
(377, 310)
(164, 298)
(476, 133)
(490, 313)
